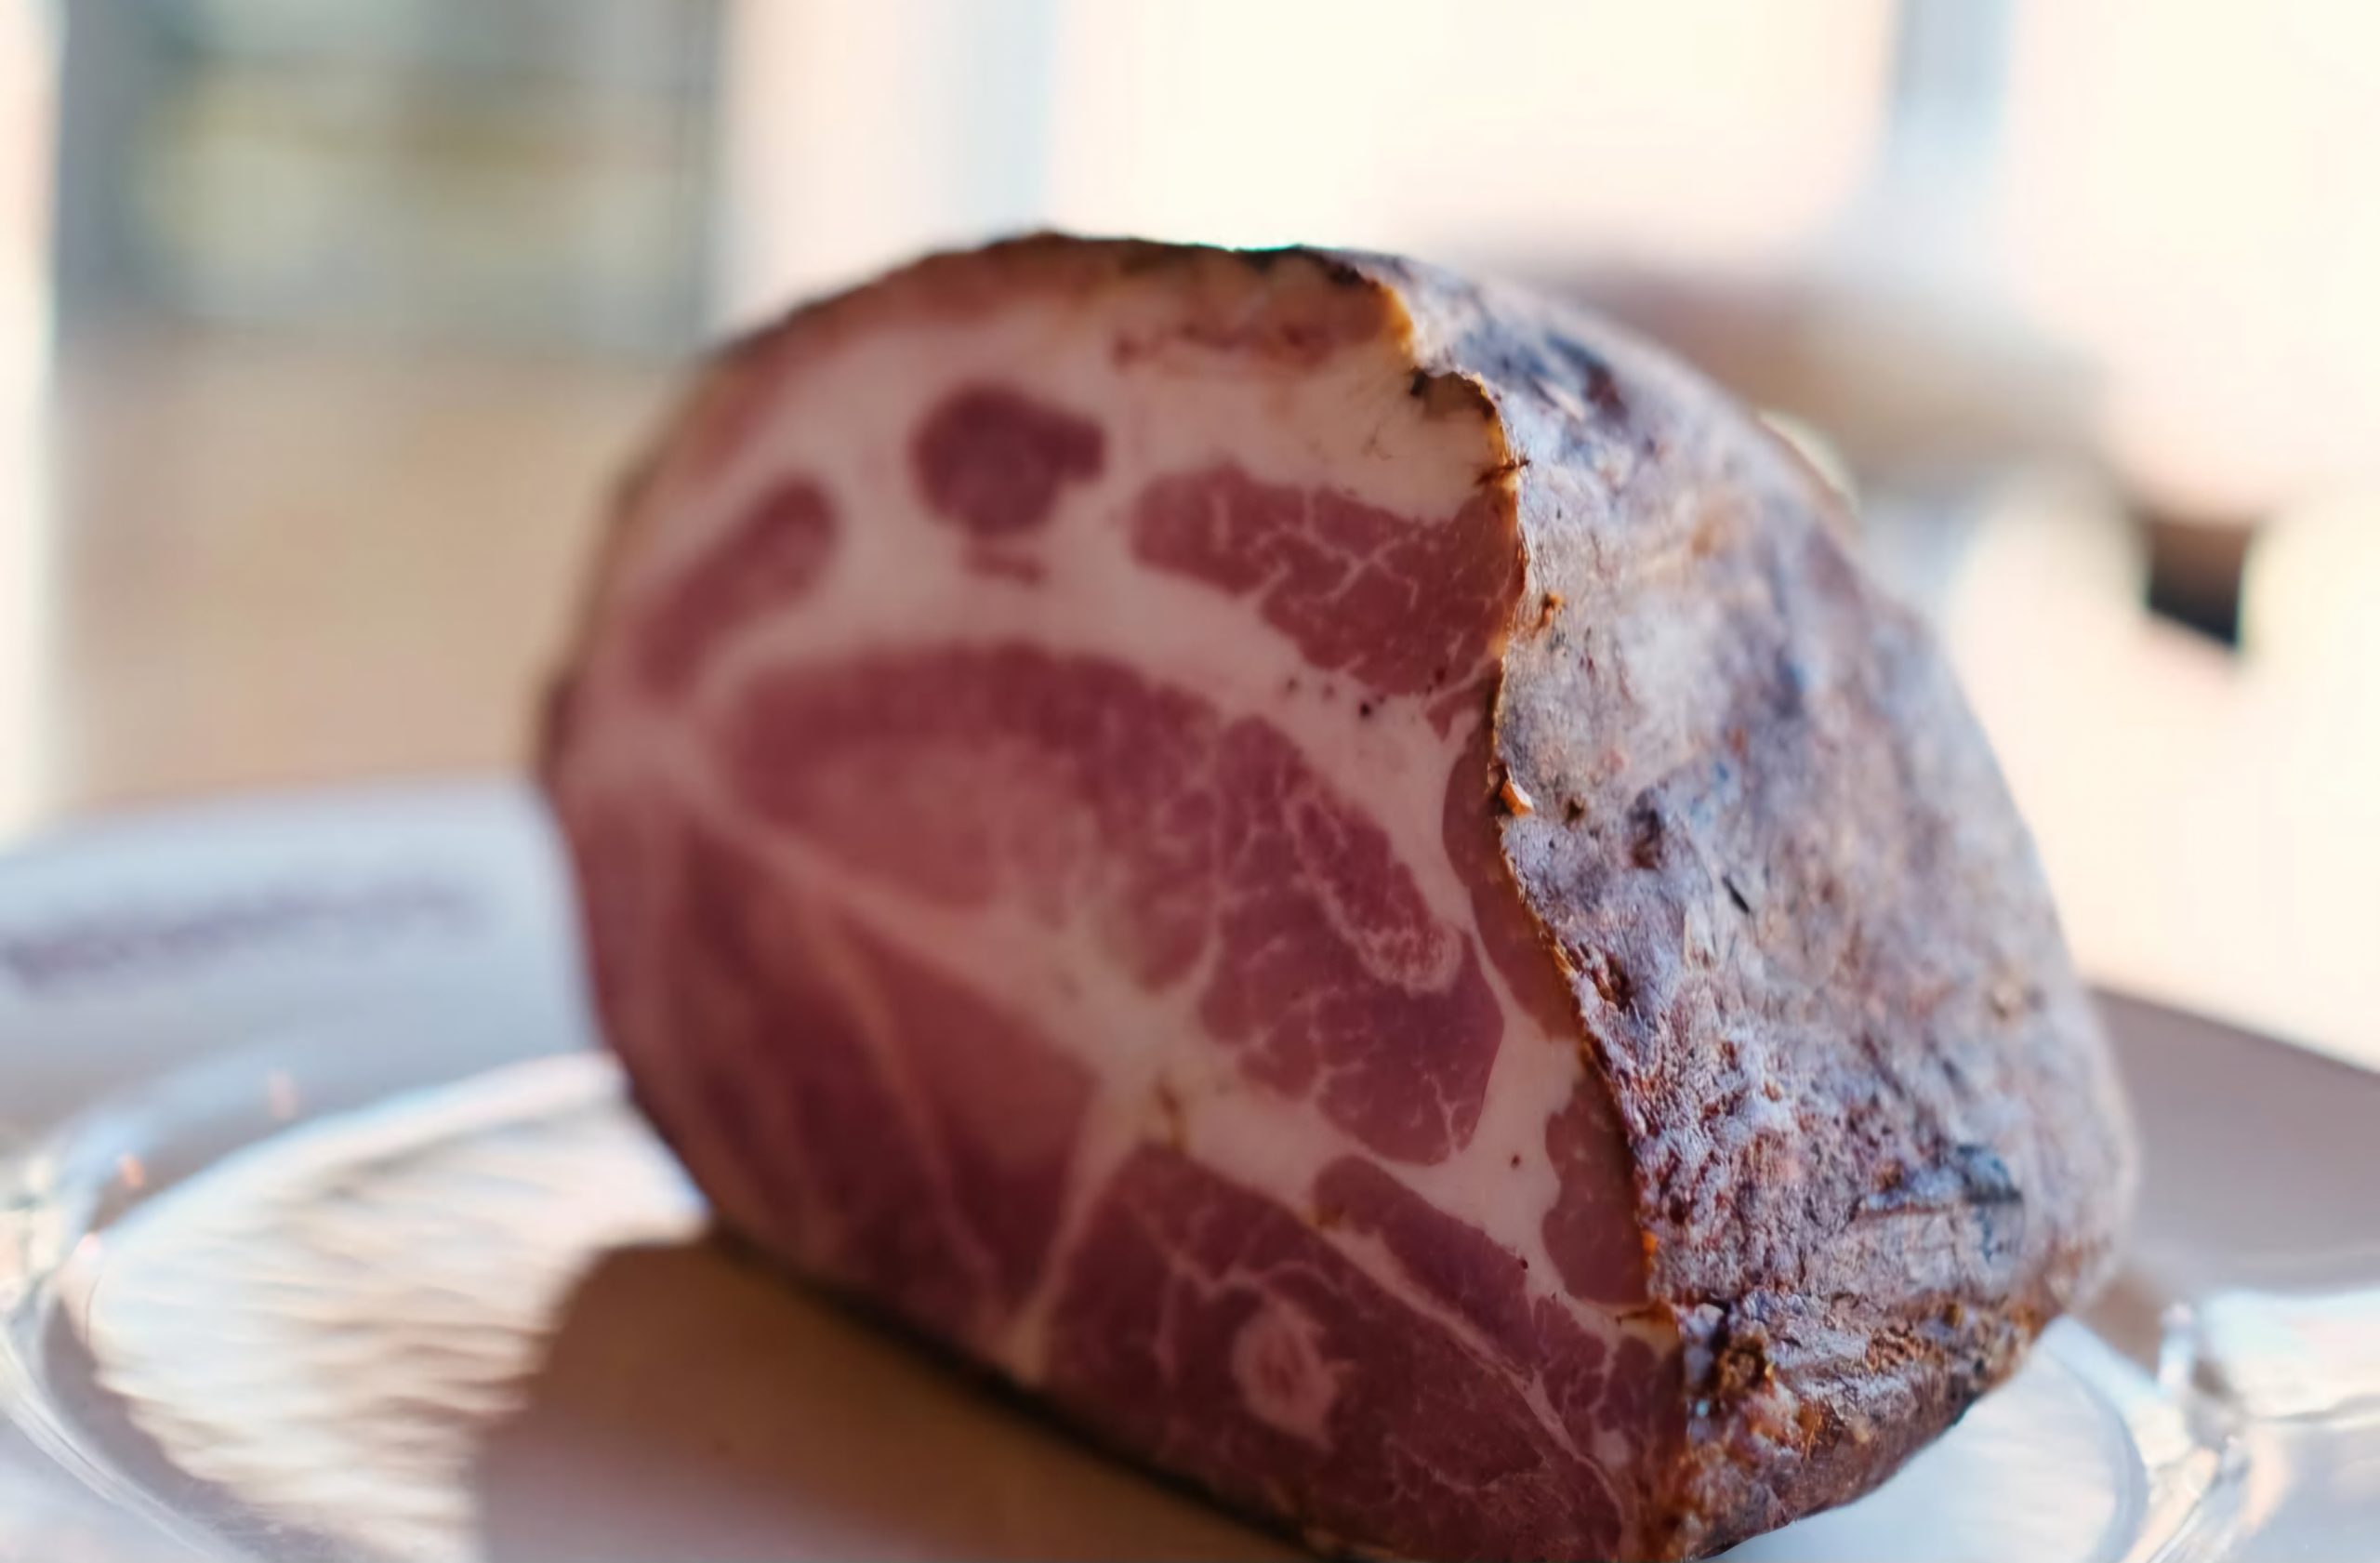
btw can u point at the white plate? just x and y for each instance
(329, 1236)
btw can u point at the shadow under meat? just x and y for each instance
(692, 1405)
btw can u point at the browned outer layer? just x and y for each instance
(1877, 1135)
(1877, 1139)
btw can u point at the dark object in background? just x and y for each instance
(530, 170)
(2197, 566)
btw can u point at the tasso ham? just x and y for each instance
(1339, 873)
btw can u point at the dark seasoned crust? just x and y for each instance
(1878, 1139)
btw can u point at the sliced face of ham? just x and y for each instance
(1338, 873)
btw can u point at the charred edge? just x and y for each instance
(1972, 1177)
(1739, 1364)
(1612, 981)
(1453, 393)
(1335, 271)
(1594, 376)
(1647, 833)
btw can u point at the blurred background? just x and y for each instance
(324, 324)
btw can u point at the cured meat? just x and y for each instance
(1338, 873)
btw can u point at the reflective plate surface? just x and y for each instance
(327, 1236)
